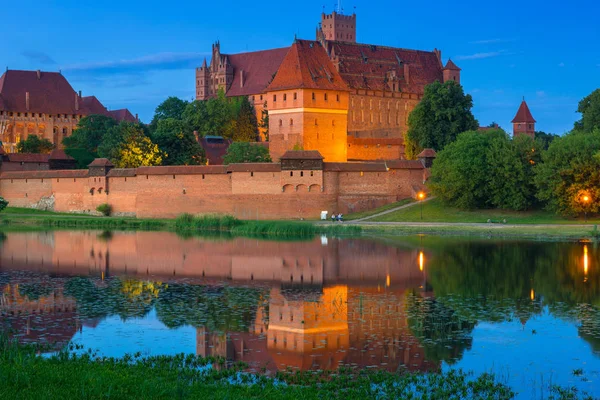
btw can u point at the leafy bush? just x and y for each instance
(105, 209)
(3, 203)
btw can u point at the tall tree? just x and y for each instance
(589, 107)
(246, 123)
(127, 146)
(264, 121)
(174, 138)
(571, 170)
(486, 170)
(243, 152)
(442, 114)
(35, 144)
(544, 139)
(173, 107)
(89, 133)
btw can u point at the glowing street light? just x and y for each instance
(421, 197)
(586, 200)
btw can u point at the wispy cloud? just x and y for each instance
(493, 41)
(540, 93)
(159, 61)
(478, 56)
(38, 57)
(562, 64)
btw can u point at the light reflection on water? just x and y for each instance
(526, 311)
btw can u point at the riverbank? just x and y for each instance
(185, 224)
(25, 375)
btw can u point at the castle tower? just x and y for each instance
(202, 79)
(451, 72)
(308, 105)
(339, 27)
(523, 122)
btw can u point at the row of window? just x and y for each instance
(39, 115)
(388, 104)
(314, 97)
(292, 122)
(380, 117)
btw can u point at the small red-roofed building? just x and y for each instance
(523, 122)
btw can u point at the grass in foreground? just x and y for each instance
(368, 213)
(27, 376)
(435, 211)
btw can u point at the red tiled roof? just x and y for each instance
(59, 154)
(523, 114)
(28, 157)
(404, 164)
(183, 170)
(51, 93)
(258, 68)
(451, 66)
(254, 167)
(302, 155)
(122, 114)
(354, 167)
(75, 173)
(101, 162)
(365, 66)
(427, 153)
(307, 66)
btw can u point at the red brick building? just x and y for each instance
(45, 104)
(383, 85)
(523, 122)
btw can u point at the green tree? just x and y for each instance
(442, 114)
(246, 123)
(243, 152)
(264, 121)
(175, 139)
(35, 144)
(570, 170)
(173, 107)
(127, 146)
(486, 170)
(589, 107)
(3, 203)
(89, 133)
(544, 139)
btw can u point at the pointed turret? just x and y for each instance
(523, 122)
(451, 72)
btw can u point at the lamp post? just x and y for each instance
(586, 200)
(421, 197)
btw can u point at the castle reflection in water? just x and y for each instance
(330, 302)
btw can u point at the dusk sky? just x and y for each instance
(135, 54)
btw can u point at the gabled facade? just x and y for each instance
(45, 104)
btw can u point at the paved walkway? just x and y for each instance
(391, 210)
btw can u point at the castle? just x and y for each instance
(347, 100)
(45, 104)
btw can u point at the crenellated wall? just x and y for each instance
(247, 191)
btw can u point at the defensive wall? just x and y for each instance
(298, 187)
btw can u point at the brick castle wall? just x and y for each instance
(255, 193)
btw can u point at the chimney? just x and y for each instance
(27, 101)
(80, 94)
(137, 118)
(406, 73)
(39, 74)
(76, 102)
(242, 78)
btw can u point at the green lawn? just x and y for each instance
(32, 211)
(368, 213)
(434, 211)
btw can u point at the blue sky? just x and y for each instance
(135, 54)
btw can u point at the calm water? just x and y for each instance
(527, 311)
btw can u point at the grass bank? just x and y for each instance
(27, 376)
(435, 211)
(368, 213)
(185, 224)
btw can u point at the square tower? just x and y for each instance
(339, 27)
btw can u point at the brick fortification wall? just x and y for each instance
(247, 191)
